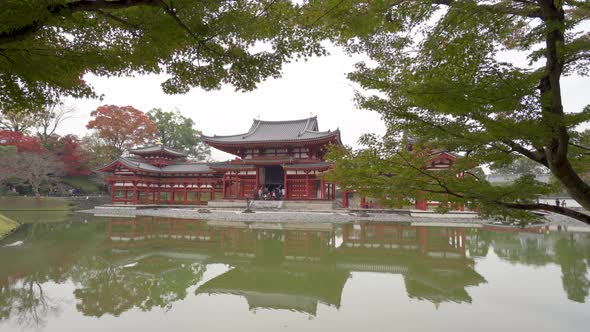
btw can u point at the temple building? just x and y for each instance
(280, 156)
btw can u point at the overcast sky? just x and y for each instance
(317, 86)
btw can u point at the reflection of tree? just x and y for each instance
(573, 267)
(442, 281)
(152, 281)
(49, 252)
(27, 302)
(478, 243)
(524, 248)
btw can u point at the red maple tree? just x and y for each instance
(122, 126)
(22, 142)
(73, 156)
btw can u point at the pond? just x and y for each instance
(155, 274)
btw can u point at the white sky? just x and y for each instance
(317, 86)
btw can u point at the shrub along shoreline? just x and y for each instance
(7, 226)
(18, 210)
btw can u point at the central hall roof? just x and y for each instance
(276, 131)
(181, 167)
(154, 149)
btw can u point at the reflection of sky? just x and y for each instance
(515, 297)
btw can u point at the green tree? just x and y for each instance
(569, 255)
(520, 166)
(98, 151)
(46, 46)
(177, 131)
(440, 73)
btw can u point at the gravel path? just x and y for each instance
(308, 217)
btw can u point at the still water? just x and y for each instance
(156, 274)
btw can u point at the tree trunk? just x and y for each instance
(35, 188)
(572, 182)
(556, 148)
(585, 218)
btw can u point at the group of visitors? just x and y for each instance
(558, 203)
(268, 193)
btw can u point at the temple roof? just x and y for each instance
(321, 164)
(142, 165)
(157, 149)
(277, 131)
(279, 288)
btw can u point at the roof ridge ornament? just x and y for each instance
(306, 125)
(253, 129)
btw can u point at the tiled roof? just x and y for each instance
(136, 163)
(186, 167)
(308, 165)
(231, 166)
(157, 148)
(263, 131)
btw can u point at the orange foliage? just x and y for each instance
(122, 126)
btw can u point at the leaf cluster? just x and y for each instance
(47, 46)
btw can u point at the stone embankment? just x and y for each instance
(336, 216)
(87, 202)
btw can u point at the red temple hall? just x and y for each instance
(283, 157)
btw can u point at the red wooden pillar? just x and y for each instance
(323, 189)
(223, 187)
(185, 198)
(333, 191)
(307, 194)
(362, 237)
(421, 204)
(423, 239)
(463, 244)
(345, 233)
(363, 203)
(135, 193)
(112, 192)
(344, 199)
(230, 188)
(285, 182)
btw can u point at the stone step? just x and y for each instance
(274, 205)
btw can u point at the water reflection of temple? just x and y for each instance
(296, 266)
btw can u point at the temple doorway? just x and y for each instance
(273, 178)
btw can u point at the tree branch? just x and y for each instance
(74, 6)
(541, 159)
(585, 218)
(500, 8)
(579, 146)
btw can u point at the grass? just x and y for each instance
(26, 210)
(7, 225)
(84, 183)
(31, 217)
(19, 203)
